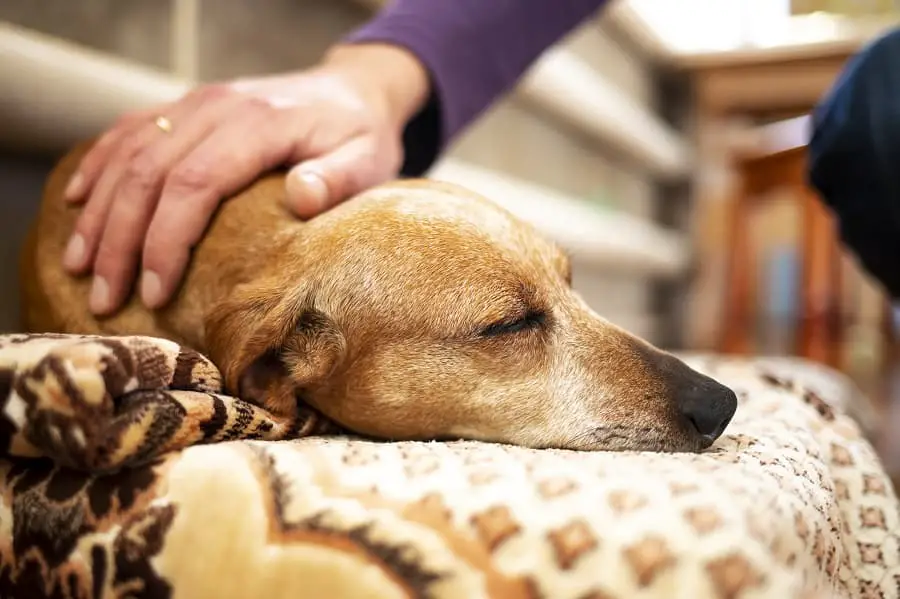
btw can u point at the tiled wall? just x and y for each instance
(239, 37)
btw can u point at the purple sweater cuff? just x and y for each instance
(474, 50)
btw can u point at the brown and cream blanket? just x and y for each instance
(126, 473)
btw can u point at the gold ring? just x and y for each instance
(164, 124)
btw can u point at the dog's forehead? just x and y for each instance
(410, 245)
(430, 204)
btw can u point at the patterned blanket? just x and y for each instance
(127, 473)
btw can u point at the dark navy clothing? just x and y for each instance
(854, 157)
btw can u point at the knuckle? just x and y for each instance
(256, 106)
(190, 177)
(126, 120)
(90, 222)
(118, 240)
(87, 228)
(213, 91)
(159, 252)
(110, 259)
(143, 171)
(152, 254)
(129, 148)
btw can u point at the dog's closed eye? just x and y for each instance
(528, 321)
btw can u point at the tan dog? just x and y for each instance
(416, 310)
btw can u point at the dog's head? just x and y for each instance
(419, 310)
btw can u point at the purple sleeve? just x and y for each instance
(474, 50)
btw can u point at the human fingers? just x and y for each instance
(319, 183)
(136, 197)
(235, 154)
(116, 154)
(91, 164)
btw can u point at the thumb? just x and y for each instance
(315, 185)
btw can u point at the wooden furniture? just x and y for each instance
(753, 85)
(759, 85)
(779, 162)
(781, 81)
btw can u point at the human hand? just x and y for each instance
(152, 182)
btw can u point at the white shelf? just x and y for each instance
(567, 88)
(55, 93)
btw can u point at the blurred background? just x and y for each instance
(662, 143)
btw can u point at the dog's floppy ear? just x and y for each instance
(271, 345)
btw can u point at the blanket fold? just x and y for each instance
(98, 404)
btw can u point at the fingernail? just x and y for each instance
(99, 301)
(151, 289)
(75, 187)
(74, 254)
(310, 186)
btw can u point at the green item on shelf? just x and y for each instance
(601, 199)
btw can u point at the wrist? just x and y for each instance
(389, 75)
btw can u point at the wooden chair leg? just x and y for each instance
(888, 332)
(737, 328)
(816, 339)
(837, 322)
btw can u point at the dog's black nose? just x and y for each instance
(708, 407)
(703, 406)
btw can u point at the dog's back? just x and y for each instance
(52, 300)
(55, 301)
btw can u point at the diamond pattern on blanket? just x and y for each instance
(127, 472)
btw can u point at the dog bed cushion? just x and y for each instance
(126, 473)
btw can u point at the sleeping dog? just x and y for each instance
(415, 310)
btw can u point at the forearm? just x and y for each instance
(474, 52)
